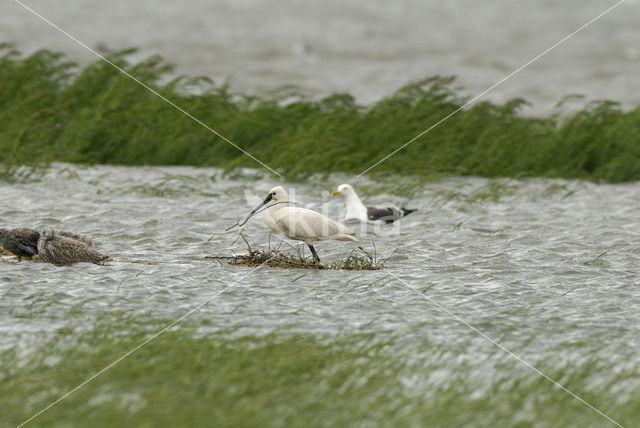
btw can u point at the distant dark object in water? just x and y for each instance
(62, 250)
(357, 210)
(22, 242)
(104, 49)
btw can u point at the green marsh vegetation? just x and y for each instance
(52, 110)
(286, 378)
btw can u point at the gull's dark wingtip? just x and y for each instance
(406, 211)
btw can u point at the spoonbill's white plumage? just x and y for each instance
(299, 223)
(356, 210)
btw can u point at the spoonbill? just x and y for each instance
(357, 210)
(59, 249)
(299, 223)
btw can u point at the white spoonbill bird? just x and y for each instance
(299, 223)
(356, 209)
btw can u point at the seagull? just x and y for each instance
(299, 223)
(357, 210)
(56, 248)
(23, 242)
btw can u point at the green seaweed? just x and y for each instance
(192, 376)
(53, 110)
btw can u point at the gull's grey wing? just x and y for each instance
(388, 214)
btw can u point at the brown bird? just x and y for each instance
(58, 249)
(22, 242)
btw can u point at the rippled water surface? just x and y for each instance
(551, 260)
(546, 268)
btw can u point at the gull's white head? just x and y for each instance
(355, 207)
(344, 190)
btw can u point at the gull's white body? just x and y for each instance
(356, 210)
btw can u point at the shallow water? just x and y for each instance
(368, 49)
(547, 268)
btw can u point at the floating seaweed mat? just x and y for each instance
(357, 260)
(4, 253)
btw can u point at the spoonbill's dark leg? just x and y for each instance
(313, 251)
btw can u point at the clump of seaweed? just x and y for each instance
(4, 253)
(271, 258)
(359, 259)
(8, 254)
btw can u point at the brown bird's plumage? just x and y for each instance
(62, 250)
(22, 242)
(73, 235)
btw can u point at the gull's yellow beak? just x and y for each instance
(335, 192)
